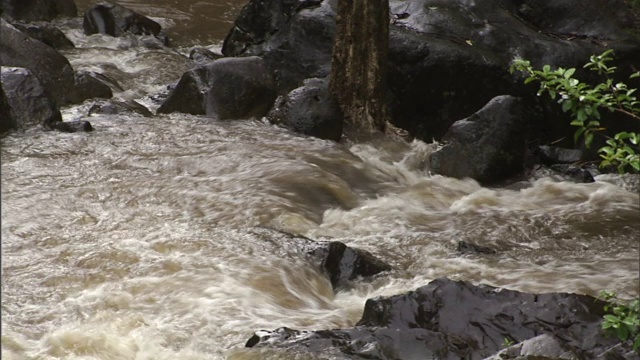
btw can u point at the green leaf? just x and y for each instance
(623, 333)
(635, 75)
(566, 106)
(636, 344)
(577, 134)
(588, 139)
(568, 73)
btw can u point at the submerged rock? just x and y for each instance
(341, 263)
(118, 107)
(449, 319)
(116, 20)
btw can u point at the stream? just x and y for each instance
(133, 241)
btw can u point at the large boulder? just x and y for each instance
(47, 34)
(116, 20)
(37, 10)
(488, 146)
(457, 320)
(52, 68)
(446, 58)
(295, 38)
(229, 88)
(310, 110)
(30, 103)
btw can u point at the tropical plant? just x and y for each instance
(585, 104)
(622, 319)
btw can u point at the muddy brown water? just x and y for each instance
(132, 242)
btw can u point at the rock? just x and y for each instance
(113, 107)
(447, 59)
(38, 10)
(469, 248)
(203, 55)
(310, 110)
(29, 101)
(88, 86)
(488, 146)
(52, 69)
(545, 346)
(457, 320)
(7, 122)
(550, 155)
(341, 263)
(47, 34)
(295, 39)
(229, 88)
(73, 126)
(115, 20)
(573, 173)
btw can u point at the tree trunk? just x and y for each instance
(359, 64)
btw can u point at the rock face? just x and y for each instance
(310, 110)
(487, 146)
(30, 103)
(456, 320)
(115, 20)
(446, 59)
(47, 34)
(38, 10)
(230, 88)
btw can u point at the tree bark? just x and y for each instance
(359, 64)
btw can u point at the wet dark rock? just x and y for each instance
(448, 59)
(295, 39)
(545, 346)
(115, 20)
(88, 86)
(7, 122)
(72, 126)
(344, 264)
(310, 110)
(457, 320)
(488, 146)
(52, 69)
(112, 107)
(28, 100)
(469, 248)
(573, 173)
(47, 34)
(550, 155)
(202, 55)
(37, 10)
(341, 263)
(229, 88)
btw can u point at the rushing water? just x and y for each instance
(134, 241)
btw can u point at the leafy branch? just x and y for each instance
(585, 102)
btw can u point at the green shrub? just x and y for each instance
(622, 319)
(585, 103)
